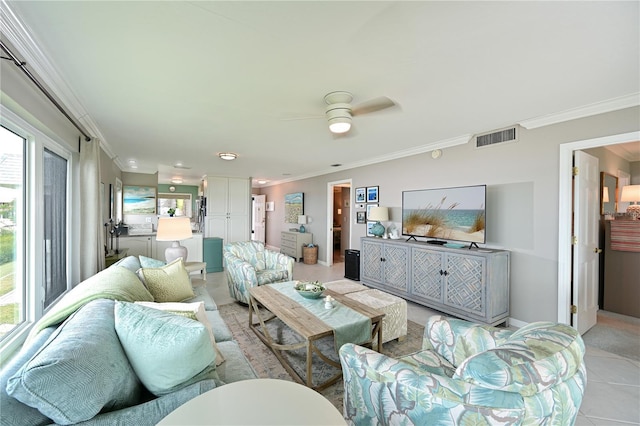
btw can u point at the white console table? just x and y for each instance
(472, 284)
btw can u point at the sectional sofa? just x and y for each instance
(100, 358)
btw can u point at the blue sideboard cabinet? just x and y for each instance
(212, 254)
(469, 284)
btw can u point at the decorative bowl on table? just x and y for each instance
(310, 289)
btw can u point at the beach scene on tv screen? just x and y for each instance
(446, 214)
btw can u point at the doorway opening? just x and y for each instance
(568, 295)
(338, 220)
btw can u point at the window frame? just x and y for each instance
(33, 240)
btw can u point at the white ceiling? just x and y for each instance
(176, 81)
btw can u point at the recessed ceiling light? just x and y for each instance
(177, 181)
(132, 162)
(262, 181)
(227, 156)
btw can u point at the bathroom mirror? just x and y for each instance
(608, 193)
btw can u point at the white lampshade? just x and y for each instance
(302, 219)
(174, 229)
(630, 193)
(605, 195)
(380, 214)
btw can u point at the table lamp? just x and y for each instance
(302, 220)
(174, 229)
(631, 193)
(378, 214)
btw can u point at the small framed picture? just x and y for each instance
(361, 217)
(369, 208)
(372, 194)
(369, 226)
(361, 195)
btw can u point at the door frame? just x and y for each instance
(329, 241)
(565, 203)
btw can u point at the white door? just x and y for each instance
(259, 218)
(585, 248)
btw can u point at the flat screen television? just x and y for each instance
(445, 214)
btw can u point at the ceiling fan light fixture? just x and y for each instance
(228, 156)
(340, 125)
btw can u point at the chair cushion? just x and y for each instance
(167, 351)
(80, 370)
(194, 311)
(169, 283)
(536, 357)
(269, 276)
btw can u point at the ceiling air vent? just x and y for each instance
(499, 136)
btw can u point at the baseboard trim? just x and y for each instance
(516, 322)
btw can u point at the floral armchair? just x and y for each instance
(248, 264)
(469, 374)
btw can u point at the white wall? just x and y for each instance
(522, 199)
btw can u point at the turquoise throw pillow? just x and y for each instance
(147, 262)
(80, 371)
(167, 351)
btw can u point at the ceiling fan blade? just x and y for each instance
(372, 106)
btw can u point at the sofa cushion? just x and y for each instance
(194, 311)
(202, 295)
(80, 371)
(148, 262)
(169, 283)
(167, 351)
(535, 357)
(132, 263)
(268, 276)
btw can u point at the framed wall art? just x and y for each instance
(361, 217)
(369, 226)
(361, 196)
(369, 208)
(293, 206)
(139, 200)
(372, 194)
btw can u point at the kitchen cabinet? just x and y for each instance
(228, 209)
(139, 245)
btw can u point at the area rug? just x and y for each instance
(267, 365)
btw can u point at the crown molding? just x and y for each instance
(18, 35)
(609, 105)
(445, 143)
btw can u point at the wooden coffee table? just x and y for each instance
(306, 325)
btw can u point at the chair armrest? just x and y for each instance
(457, 339)
(383, 390)
(240, 270)
(275, 260)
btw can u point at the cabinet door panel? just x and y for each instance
(138, 246)
(425, 270)
(371, 261)
(215, 226)
(217, 190)
(465, 285)
(396, 267)
(239, 197)
(237, 229)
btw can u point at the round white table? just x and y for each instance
(257, 402)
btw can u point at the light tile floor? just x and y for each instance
(612, 396)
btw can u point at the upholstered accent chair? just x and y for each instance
(469, 374)
(249, 264)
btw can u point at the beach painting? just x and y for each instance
(293, 206)
(139, 200)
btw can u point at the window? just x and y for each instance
(12, 231)
(181, 203)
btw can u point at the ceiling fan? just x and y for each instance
(339, 110)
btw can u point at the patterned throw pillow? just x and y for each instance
(169, 283)
(194, 311)
(167, 351)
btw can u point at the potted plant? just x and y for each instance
(171, 211)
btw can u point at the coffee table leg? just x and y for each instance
(309, 364)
